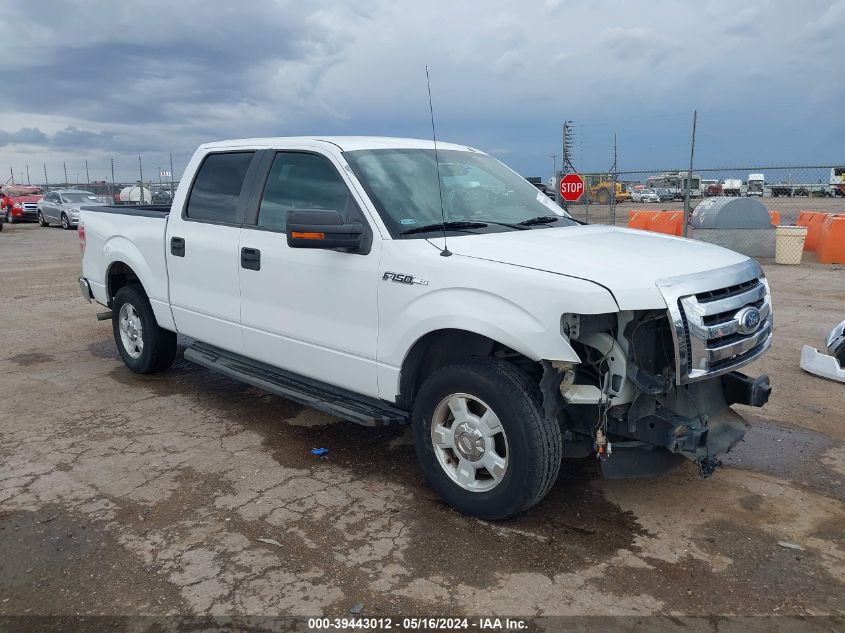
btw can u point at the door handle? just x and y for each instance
(251, 258)
(177, 246)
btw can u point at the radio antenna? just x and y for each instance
(445, 252)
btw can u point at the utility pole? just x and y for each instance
(28, 182)
(687, 213)
(66, 182)
(12, 172)
(46, 182)
(613, 185)
(141, 171)
(554, 167)
(172, 190)
(87, 175)
(112, 180)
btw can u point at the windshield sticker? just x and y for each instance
(407, 221)
(549, 203)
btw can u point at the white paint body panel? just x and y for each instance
(332, 316)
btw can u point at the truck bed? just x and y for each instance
(131, 236)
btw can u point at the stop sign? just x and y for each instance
(571, 187)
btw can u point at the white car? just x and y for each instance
(382, 282)
(644, 195)
(62, 207)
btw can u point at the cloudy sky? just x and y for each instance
(94, 79)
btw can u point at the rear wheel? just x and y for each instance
(603, 197)
(144, 346)
(482, 440)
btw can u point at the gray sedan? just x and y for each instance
(62, 207)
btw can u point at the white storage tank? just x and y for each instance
(132, 195)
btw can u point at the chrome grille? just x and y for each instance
(30, 206)
(708, 312)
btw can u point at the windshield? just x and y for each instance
(79, 196)
(475, 188)
(22, 191)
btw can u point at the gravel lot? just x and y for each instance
(123, 494)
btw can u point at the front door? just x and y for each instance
(202, 251)
(310, 311)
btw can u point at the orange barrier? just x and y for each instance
(831, 244)
(668, 222)
(639, 219)
(813, 220)
(775, 215)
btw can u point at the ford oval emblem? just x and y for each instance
(748, 320)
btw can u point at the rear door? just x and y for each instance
(50, 208)
(203, 260)
(310, 311)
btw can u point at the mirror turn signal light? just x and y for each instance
(305, 235)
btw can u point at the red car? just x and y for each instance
(19, 203)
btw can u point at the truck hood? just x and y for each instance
(30, 198)
(625, 261)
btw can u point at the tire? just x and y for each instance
(603, 197)
(532, 446)
(66, 223)
(10, 219)
(41, 221)
(133, 315)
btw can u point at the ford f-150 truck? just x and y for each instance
(392, 280)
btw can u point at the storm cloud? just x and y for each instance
(94, 79)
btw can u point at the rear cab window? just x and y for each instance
(217, 187)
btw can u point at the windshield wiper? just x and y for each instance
(540, 219)
(518, 227)
(454, 224)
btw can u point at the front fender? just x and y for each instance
(483, 313)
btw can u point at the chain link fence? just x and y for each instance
(151, 185)
(747, 209)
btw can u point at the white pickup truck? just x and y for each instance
(389, 280)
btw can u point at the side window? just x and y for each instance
(214, 196)
(302, 181)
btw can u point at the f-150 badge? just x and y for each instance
(403, 279)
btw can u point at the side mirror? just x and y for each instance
(323, 228)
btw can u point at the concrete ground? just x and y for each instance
(125, 494)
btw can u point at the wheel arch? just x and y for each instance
(118, 275)
(440, 348)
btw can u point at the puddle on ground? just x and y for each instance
(762, 578)
(53, 563)
(29, 359)
(788, 453)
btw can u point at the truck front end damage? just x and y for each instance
(655, 387)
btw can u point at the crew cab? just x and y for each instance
(398, 281)
(19, 203)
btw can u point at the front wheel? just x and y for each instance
(9, 217)
(41, 221)
(482, 440)
(65, 222)
(144, 346)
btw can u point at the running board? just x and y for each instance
(313, 393)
